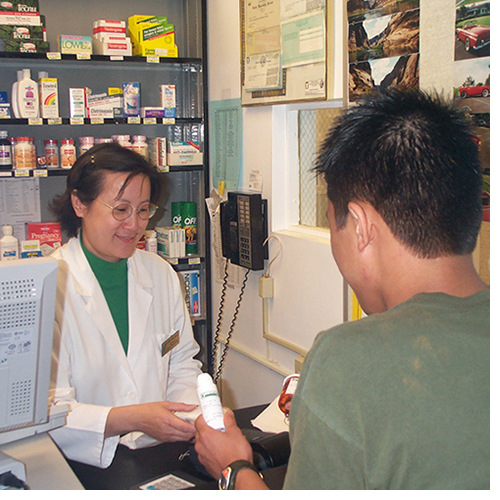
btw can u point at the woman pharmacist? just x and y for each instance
(123, 343)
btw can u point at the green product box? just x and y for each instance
(31, 46)
(8, 32)
(20, 6)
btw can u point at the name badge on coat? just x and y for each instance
(170, 343)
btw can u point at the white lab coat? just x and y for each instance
(91, 371)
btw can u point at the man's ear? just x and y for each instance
(363, 224)
(78, 206)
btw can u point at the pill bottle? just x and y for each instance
(151, 241)
(68, 153)
(5, 151)
(86, 143)
(23, 153)
(140, 145)
(103, 140)
(124, 141)
(287, 392)
(9, 246)
(51, 153)
(210, 404)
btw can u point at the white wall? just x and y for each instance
(308, 287)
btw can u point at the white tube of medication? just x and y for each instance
(210, 404)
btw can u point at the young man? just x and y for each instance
(398, 400)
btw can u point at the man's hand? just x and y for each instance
(154, 419)
(216, 449)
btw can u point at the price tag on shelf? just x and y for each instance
(194, 260)
(168, 121)
(76, 121)
(134, 119)
(153, 59)
(35, 121)
(40, 172)
(116, 58)
(5, 174)
(54, 121)
(53, 56)
(97, 121)
(82, 56)
(149, 121)
(22, 172)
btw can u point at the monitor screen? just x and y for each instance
(27, 308)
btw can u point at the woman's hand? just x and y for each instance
(154, 419)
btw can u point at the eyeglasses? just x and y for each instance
(123, 211)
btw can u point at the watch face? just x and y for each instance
(224, 478)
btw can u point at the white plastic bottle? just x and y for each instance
(15, 108)
(151, 241)
(9, 246)
(210, 404)
(27, 97)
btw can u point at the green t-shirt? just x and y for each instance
(112, 277)
(398, 400)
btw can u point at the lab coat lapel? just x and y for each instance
(88, 287)
(140, 298)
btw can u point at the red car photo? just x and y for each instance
(478, 90)
(474, 36)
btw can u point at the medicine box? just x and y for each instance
(78, 102)
(73, 44)
(21, 18)
(167, 100)
(184, 153)
(21, 32)
(152, 36)
(190, 282)
(47, 233)
(20, 5)
(158, 152)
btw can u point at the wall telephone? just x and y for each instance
(244, 230)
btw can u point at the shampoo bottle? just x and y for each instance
(9, 246)
(27, 96)
(15, 108)
(210, 404)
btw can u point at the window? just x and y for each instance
(313, 126)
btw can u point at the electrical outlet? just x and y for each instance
(298, 364)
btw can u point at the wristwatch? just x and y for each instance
(227, 478)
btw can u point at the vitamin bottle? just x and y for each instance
(5, 151)
(9, 246)
(51, 153)
(210, 404)
(68, 153)
(140, 145)
(124, 141)
(86, 143)
(23, 153)
(286, 395)
(151, 241)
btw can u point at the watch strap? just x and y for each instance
(227, 478)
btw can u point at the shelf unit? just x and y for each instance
(184, 183)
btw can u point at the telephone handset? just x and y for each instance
(244, 230)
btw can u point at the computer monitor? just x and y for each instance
(27, 308)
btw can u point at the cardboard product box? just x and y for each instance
(47, 233)
(20, 18)
(151, 36)
(190, 282)
(184, 153)
(17, 32)
(20, 6)
(158, 152)
(112, 46)
(26, 46)
(164, 246)
(73, 44)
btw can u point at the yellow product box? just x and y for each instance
(152, 36)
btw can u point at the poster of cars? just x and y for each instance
(383, 45)
(471, 87)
